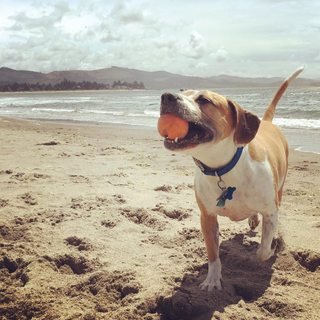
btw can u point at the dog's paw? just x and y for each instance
(253, 221)
(264, 254)
(213, 279)
(209, 285)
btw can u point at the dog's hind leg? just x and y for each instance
(253, 221)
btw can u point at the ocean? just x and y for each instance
(298, 112)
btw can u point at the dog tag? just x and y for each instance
(225, 195)
(220, 203)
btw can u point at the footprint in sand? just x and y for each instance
(176, 189)
(22, 176)
(3, 203)
(98, 203)
(109, 291)
(108, 223)
(142, 216)
(80, 244)
(70, 264)
(176, 214)
(78, 178)
(14, 271)
(119, 198)
(4, 172)
(308, 259)
(64, 155)
(28, 199)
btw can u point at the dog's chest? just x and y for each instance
(254, 193)
(242, 205)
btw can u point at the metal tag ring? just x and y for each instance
(221, 184)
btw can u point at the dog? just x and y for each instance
(241, 164)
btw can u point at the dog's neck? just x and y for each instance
(216, 155)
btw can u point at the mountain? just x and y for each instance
(8, 75)
(151, 80)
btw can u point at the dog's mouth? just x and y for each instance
(181, 124)
(197, 133)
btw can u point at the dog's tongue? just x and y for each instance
(172, 126)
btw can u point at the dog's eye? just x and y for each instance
(203, 100)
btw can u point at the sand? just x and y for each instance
(101, 222)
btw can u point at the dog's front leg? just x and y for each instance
(210, 231)
(269, 230)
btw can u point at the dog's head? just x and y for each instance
(211, 118)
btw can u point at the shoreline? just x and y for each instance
(308, 142)
(313, 134)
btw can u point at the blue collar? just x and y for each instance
(222, 170)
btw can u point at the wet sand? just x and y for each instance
(101, 222)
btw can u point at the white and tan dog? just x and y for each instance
(234, 149)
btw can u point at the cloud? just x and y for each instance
(221, 55)
(127, 14)
(23, 21)
(248, 37)
(195, 47)
(110, 36)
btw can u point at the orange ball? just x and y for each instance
(172, 126)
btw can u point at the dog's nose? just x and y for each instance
(169, 98)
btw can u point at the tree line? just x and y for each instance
(65, 85)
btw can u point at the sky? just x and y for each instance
(201, 38)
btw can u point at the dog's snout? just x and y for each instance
(169, 98)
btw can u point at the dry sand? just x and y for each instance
(100, 222)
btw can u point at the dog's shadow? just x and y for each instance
(244, 278)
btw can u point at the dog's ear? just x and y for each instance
(246, 124)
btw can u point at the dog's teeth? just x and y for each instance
(176, 140)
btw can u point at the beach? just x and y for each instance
(99, 221)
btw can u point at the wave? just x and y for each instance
(52, 110)
(244, 95)
(151, 113)
(114, 113)
(20, 102)
(297, 123)
(130, 123)
(145, 114)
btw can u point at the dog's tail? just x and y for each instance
(269, 114)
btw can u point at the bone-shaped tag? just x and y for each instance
(225, 195)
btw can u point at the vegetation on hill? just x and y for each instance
(69, 85)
